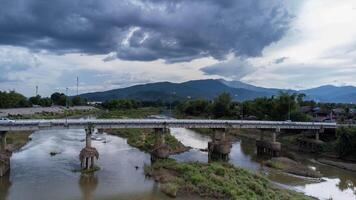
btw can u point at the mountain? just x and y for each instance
(210, 88)
(239, 84)
(167, 91)
(331, 93)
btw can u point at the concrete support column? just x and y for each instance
(317, 135)
(3, 140)
(274, 136)
(220, 147)
(88, 133)
(160, 149)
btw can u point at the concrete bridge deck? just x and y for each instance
(32, 125)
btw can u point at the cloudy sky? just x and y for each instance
(111, 44)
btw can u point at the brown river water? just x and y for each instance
(35, 175)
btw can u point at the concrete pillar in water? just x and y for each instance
(269, 148)
(5, 155)
(317, 135)
(88, 133)
(220, 147)
(160, 149)
(88, 153)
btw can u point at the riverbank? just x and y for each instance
(54, 112)
(16, 140)
(144, 139)
(214, 181)
(130, 113)
(292, 167)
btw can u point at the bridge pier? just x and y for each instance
(88, 153)
(269, 148)
(220, 147)
(5, 155)
(160, 149)
(311, 145)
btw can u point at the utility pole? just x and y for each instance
(170, 102)
(77, 85)
(65, 110)
(289, 109)
(36, 90)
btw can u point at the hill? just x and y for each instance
(210, 88)
(167, 91)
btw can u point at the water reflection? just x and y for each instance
(336, 184)
(5, 185)
(34, 171)
(88, 183)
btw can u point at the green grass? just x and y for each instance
(57, 115)
(219, 181)
(275, 165)
(18, 139)
(144, 139)
(130, 113)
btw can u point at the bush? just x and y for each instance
(346, 141)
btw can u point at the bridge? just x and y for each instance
(33, 125)
(219, 148)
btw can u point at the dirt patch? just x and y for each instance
(339, 164)
(290, 166)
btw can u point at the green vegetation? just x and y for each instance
(120, 104)
(130, 113)
(290, 166)
(215, 181)
(57, 115)
(144, 139)
(283, 107)
(346, 141)
(12, 99)
(16, 140)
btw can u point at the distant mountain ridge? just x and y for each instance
(210, 88)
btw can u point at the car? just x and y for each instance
(4, 119)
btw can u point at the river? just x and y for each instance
(37, 175)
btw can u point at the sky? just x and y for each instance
(112, 44)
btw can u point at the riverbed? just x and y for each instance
(35, 174)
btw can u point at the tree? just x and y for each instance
(59, 99)
(13, 99)
(346, 141)
(35, 100)
(222, 105)
(77, 101)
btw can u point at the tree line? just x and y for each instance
(13, 99)
(285, 106)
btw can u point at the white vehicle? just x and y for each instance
(4, 119)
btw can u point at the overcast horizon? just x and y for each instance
(113, 44)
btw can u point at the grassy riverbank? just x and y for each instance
(130, 113)
(16, 140)
(70, 113)
(144, 139)
(215, 181)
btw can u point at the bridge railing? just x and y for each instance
(159, 123)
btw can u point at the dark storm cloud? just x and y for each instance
(146, 30)
(280, 60)
(236, 68)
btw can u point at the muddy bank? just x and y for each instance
(339, 164)
(292, 167)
